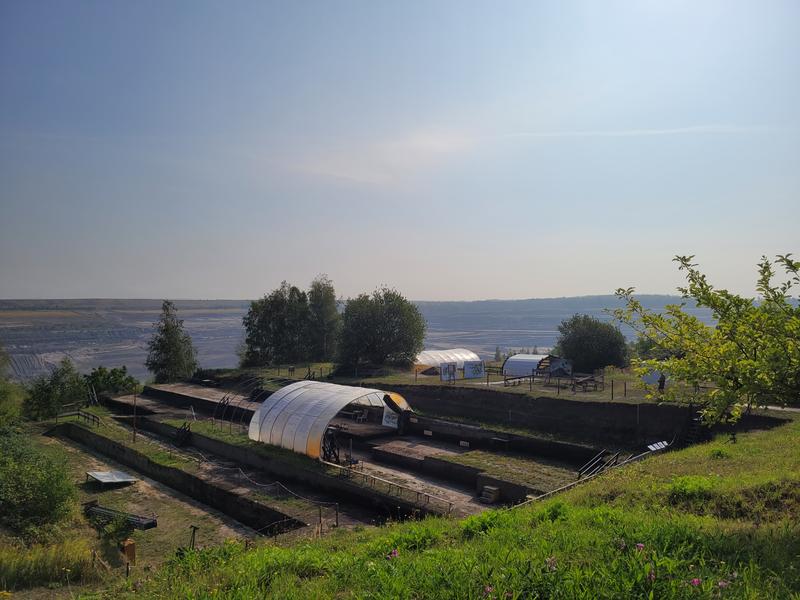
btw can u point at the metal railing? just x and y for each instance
(90, 418)
(419, 498)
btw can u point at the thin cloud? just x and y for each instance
(699, 129)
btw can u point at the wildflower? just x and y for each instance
(551, 563)
(640, 547)
(696, 581)
(622, 545)
(723, 583)
(487, 590)
(651, 576)
(392, 554)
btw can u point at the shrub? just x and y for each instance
(689, 489)
(35, 488)
(48, 395)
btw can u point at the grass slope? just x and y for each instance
(714, 521)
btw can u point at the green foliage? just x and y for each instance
(381, 328)
(35, 488)
(591, 344)
(61, 563)
(325, 322)
(617, 536)
(750, 357)
(277, 327)
(112, 381)
(690, 488)
(48, 395)
(11, 394)
(171, 354)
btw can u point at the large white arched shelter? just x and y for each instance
(434, 358)
(296, 416)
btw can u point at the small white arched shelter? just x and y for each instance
(434, 358)
(521, 365)
(296, 416)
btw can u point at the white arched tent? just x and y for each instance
(522, 365)
(434, 358)
(296, 416)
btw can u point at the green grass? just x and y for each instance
(540, 475)
(716, 520)
(235, 436)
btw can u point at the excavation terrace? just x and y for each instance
(452, 450)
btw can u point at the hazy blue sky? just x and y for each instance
(455, 150)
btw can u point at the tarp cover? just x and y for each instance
(109, 477)
(296, 416)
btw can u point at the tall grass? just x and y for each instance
(65, 562)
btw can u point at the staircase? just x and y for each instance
(182, 435)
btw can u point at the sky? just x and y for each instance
(453, 150)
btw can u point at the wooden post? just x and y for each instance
(194, 529)
(487, 378)
(558, 383)
(416, 372)
(320, 520)
(612, 389)
(337, 514)
(625, 389)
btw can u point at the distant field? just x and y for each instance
(37, 314)
(114, 332)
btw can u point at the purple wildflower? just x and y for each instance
(723, 583)
(392, 554)
(487, 590)
(696, 581)
(640, 547)
(551, 563)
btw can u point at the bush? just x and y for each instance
(690, 489)
(66, 562)
(47, 396)
(112, 381)
(35, 488)
(591, 344)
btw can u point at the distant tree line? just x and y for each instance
(290, 325)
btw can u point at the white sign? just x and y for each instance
(473, 369)
(390, 418)
(447, 371)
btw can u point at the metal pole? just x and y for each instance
(194, 530)
(612, 389)
(134, 416)
(558, 383)
(625, 389)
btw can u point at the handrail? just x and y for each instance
(572, 484)
(585, 468)
(391, 484)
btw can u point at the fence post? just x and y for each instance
(558, 383)
(337, 514)
(612, 389)
(624, 389)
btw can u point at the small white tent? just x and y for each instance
(521, 365)
(434, 358)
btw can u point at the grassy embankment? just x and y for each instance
(627, 387)
(714, 520)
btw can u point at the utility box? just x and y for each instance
(128, 549)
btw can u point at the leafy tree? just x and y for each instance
(10, 393)
(171, 354)
(381, 328)
(276, 328)
(111, 381)
(48, 395)
(325, 322)
(591, 344)
(35, 488)
(751, 357)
